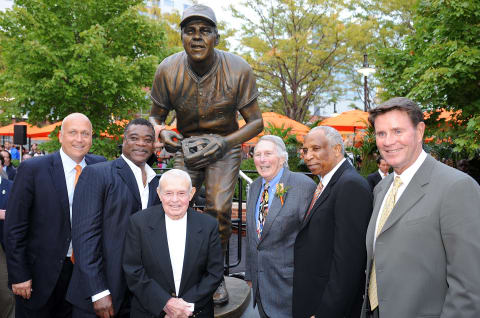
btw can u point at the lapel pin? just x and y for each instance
(3, 191)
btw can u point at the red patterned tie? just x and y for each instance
(262, 214)
(316, 195)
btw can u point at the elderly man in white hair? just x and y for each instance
(171, 272)
(38, 223)
(276, 205)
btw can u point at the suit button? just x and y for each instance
(173, 294)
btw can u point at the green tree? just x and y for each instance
(296, 48)
(89, 56)
(439, 65)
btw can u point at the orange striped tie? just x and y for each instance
(78, 169)
(316, 195)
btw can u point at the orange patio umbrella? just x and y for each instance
(279, 121)
(8, 130)
(42, 132)
(348, 121)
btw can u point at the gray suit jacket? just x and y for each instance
(269, 262)
(427, 254)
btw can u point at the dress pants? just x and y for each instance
(7, 300)
(56, 306)
(260, 306)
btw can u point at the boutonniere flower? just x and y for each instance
(281, 191)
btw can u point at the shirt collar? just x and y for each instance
(275, 180)
(382, 174)
(68, 163)
(326, 179)
(408, 174)
(136, 169)
(183, 220)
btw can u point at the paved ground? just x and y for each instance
(240, 270)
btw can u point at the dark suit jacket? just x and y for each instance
(374, 179)
(37, 225)
(5, 188)
(148, 269)
(329, 254)
(105, 196)
(11, 172)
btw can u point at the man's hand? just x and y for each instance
(201, 151)
(104, 307)
(2, 214)
(23, 289)
(171, 145)
(249, 283)
(177, 308)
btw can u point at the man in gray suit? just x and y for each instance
(423, 240)
(276, 206)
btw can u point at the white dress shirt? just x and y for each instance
(406, 177)
(326, 179)
(383, 175)
(70, 172)
(144, 194)
(177, 237)
(137, 172)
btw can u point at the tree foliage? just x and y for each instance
(89, 56)
(439, 65)
(296, 48)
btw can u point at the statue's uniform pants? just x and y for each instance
(220, 179)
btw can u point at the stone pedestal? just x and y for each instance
(239, 298)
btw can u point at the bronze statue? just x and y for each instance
(207, 87)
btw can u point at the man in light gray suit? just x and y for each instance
(423, 240)
(272, 225)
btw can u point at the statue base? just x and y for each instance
(239, 298)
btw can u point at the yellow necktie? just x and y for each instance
(387, 209)
(78, 169)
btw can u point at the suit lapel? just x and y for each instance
(59, 183)
(326, 191)
(192, 246)
(381, 191)
(275, 209)
(128, 177)
(152, 192)
(252, 204)
(159, 245)
(412, 194)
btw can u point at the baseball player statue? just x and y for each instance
(207, 88)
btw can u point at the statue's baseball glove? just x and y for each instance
(200, 151)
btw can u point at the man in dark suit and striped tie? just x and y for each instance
(329, 270)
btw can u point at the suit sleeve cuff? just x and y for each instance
(100, 295)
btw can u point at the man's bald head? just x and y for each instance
(76, 136)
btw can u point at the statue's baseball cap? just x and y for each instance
(198, 11)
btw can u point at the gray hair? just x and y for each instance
(175, 173)
(332, 135)
(279, 145)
